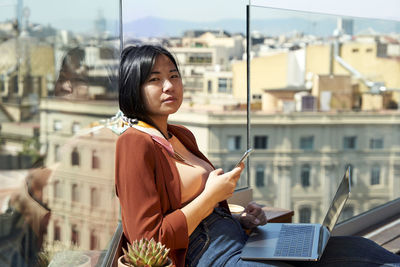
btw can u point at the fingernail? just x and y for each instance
(257, 221)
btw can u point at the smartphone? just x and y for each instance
(245, 155)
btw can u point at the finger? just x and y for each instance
(236, 171)
(262, 218)
(218, 171)
(257, 211)
(241, 165)
(234, 174)
(251, 218)
(251, 207)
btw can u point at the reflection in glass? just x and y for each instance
(57, 89)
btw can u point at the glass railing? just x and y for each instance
(323, 95)
(330, 97)
(206, 48)
(58, 86)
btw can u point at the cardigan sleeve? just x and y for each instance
(141, 211)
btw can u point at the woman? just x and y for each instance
(167, 188)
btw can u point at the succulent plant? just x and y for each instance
(145, 253)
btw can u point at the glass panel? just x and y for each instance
(58, 63)
(206, 43)
(329, 85)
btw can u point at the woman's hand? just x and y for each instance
(220, 185)
(252, 216)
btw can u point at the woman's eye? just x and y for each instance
(153, 79)
(175, 76)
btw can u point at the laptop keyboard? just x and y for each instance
(295, 241)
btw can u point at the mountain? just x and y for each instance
(160, 27)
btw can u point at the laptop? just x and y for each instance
(297, 241)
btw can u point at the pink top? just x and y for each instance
(193, 173)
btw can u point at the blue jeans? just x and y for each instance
(219, 239)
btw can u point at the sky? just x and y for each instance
(50, 10)
(82, 11)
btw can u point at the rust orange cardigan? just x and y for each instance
(148, 187)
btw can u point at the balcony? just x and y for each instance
(311, 92)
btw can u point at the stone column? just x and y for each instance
(396, 181)
(328, 184)
(6, 85)
(85, 234)
(283, 185)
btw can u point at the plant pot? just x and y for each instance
(121, 262)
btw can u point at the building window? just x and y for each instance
(57, 189)
(57, 153)
(307, 142)
(260, 142)
(305, 215)
(375, 175)
(376, 143)
(200, 59)
(94, 241)
(57, 125)
(305, 175)
(95, 160)
(234, 142)
(15, 84)
(75, 193)
(2, 87)
(256, 97)
(94, 197)
(350, 142)
(209, 86)
(76, 126)
(260, 176)
(222, 85)
(396, 171)
(74, 235)
(75, 157)
(57, 232)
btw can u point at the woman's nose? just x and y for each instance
(167, 85)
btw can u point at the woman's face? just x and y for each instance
(163, 90)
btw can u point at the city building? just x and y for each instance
(372, 75)
(19, 145)
(26, 69)
(300, 157)
(81, 195)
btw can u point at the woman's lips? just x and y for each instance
(169, 99)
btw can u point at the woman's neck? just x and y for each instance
(162, 124)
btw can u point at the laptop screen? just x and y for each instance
(338, 201)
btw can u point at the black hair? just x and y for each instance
(134, 69)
